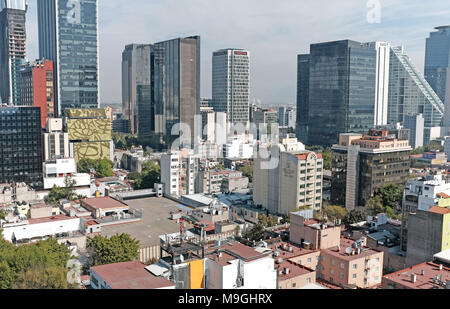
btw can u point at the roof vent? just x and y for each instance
(413, 278)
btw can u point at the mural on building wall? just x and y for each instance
(91, 150)
(93, 130)
(86, 113)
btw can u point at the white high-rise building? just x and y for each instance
(231, 84)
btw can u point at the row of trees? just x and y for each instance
(151, 174)
(42, 265)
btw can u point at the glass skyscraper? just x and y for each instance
(68, 36)
(437, 66)
(231, 84)
(136, 88)
(339, 96)
(410, 94)
(12, 48)
(175, 87)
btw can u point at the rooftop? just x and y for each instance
(130, 275)
(295, 270)
(49, 219)
(340, 252)
(426, 275)
(288, 250)
(440, 210)
(105, 202)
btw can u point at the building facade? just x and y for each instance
(416, 126)
(176, 76)
(12, 48)
(37, 88)
(295, 182)
(363, 163)
(56, 141)
(68, 35)
(136, 88)
(340, 93)
(21, 145)
(437, 66)
(89, 134)
(231, 84)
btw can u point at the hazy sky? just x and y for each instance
(273, 31)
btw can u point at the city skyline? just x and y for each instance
(258, 27)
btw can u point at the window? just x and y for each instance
(309, 260)
(294, 285)
(355, 266)
(354, 276)
(308, 280)
(342, 266)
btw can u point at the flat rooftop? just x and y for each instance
(130, 275)
(295, 270)
(425, 281)
(50, 219)
(288, 250)
(347, 243)
(105, 202)
(155, 221)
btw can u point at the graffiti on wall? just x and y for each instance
(91, 150)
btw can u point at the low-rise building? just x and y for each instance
(217, 181)
(294, 276)
(425, 276)
(125, 276)
(351, 264)
(236, 266)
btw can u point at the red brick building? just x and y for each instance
(37, 88)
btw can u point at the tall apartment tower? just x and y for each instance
(37, 88)
(437, 66)
(231, 84)
(176, 83)
(136, 88)
(336, 90)
(12, 48)
(68, 35)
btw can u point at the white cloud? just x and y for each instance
(274, 32)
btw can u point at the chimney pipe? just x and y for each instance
(413, 278)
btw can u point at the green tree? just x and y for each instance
(247, 171)
(103, 167)
(151, 174)
(256, 233)
(2, 214)
(40, 277)
(7, 276)
(375, 205)
(117, 249)
(327, 156)
(57, 193)
(267, 221)
(355, 216)
(333, 213)
(391, 194)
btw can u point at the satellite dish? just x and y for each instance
(349, 250)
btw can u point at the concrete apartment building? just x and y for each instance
(295, 181)
(428, 234)
(364, 163)
(218, 181)
(422, 194)
(179, 171)
(313, 234)
(56, 141)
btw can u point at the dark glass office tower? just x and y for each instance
(341, 91)
(303, 97)
(437, 66)
(68, 36)
(21, 145)
(176, 86)
(12, 48)
(136, 88)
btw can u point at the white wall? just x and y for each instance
(42, 229)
